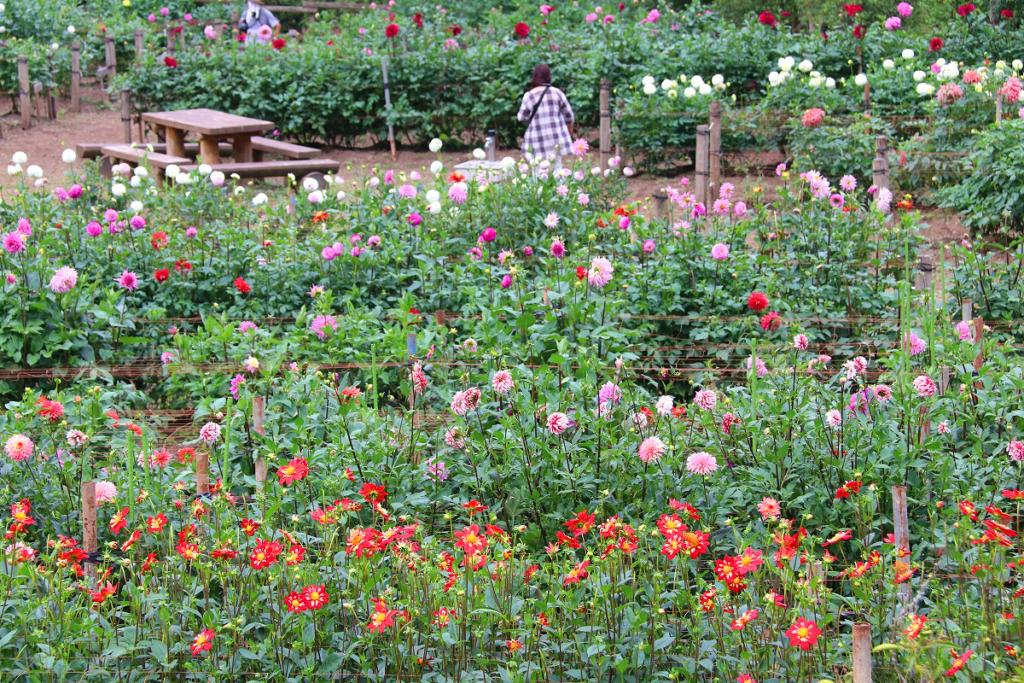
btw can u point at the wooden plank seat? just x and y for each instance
(155, 160)
(273, 169)
(94, 150)
(262, 145)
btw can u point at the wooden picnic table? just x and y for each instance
(211, 126)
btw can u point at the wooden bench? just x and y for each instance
(261, 146)
(94, 150)
(273, 169)
(156, 160)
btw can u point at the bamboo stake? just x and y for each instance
(90, 543)
(203, 473)
(901, 528)
(606, 123)
(258, 417)
(861, 653)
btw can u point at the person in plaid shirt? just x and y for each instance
(547, 112)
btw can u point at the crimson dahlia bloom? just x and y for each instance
(522, 30)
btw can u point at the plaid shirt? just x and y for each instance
(549, 127)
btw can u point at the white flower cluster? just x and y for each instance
(691, 85)
(788, 69)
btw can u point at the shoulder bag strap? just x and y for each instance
(539, 100)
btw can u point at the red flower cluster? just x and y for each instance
(965, 9)
(158, 240)
(161, 275)
(522, 30)
(935, 44)
(278, 44)
(391, 30)
(1006, 14)
(852, 10)
(767, 18)
(170, 62)
(418, 19)
(309, 598)
(858, 32)
(849, 487)
(242, 286)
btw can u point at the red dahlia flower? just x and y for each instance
(391, 30)
(522, 30)
(803, 634)
(757, 301)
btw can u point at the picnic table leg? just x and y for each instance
(209, 149)
(175, 141)
(243, 148)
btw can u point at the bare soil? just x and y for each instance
(46, 140)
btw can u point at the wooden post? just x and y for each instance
(660, 205)
(209, 150)
(175, 141)
(923, 281)
(140, 45)
(862, 653)
(546, 297)
(702, 162)
(606, 123)
(979, 342)
(967, 310)
(203, 473)
(24, 94)
(181, 36)
(439, 317)
(715, 153)
(51, 98)
(901, 530)
(258, 417)
(126, 114)
(89, 541)
(816, 573)
(111, 54)
(76, 77)
(880, 167)
(926, 426)
(387, 106)
(169, 32)
(867, 96)
(944, 379)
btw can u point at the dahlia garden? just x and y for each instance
(521, 426)
(431, 426)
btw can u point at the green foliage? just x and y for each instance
(990, 195)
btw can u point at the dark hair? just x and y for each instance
(541, 75)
